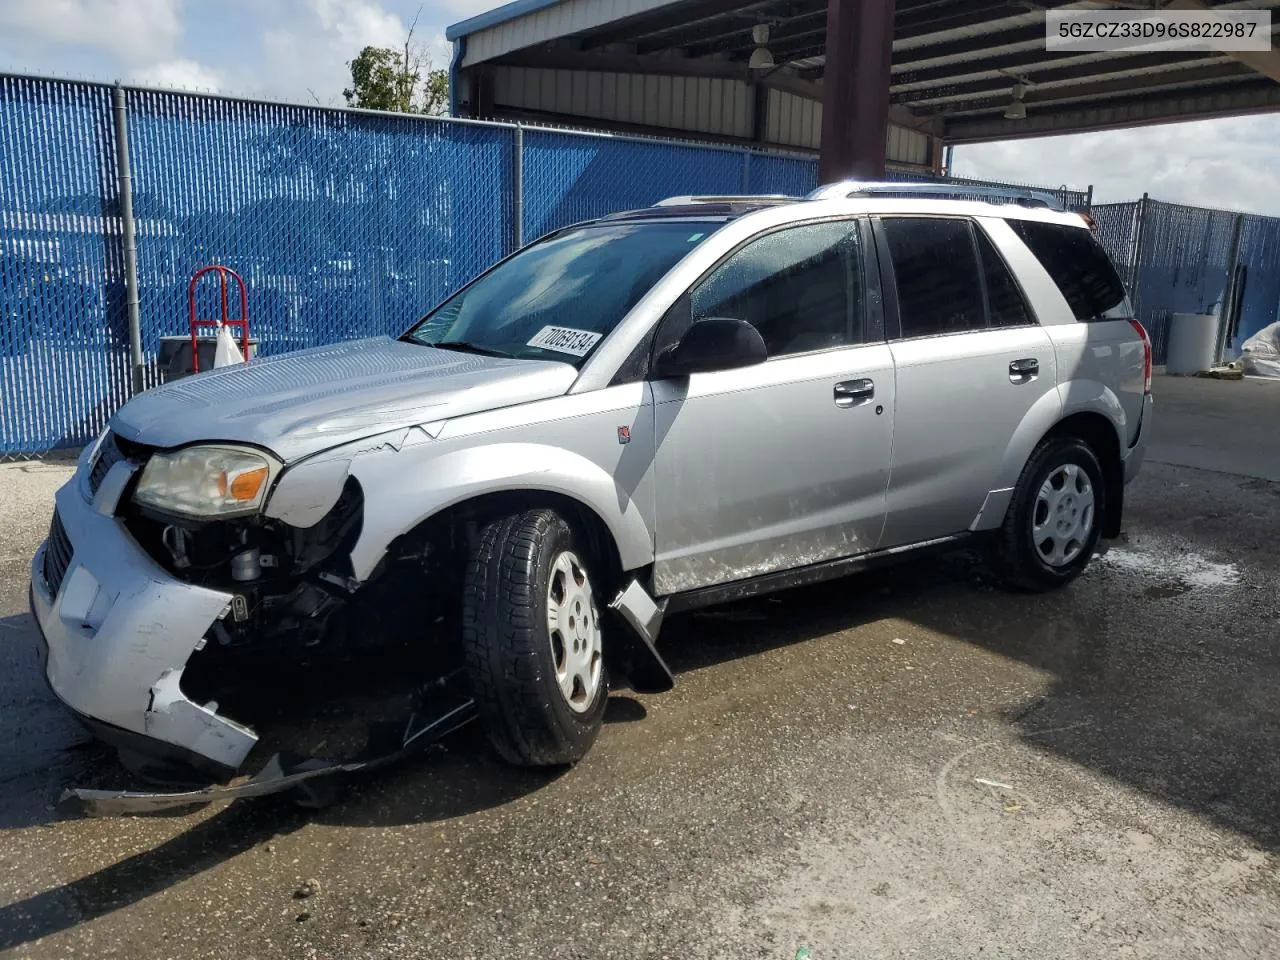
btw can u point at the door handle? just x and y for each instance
(1024, 371)
(850, 393)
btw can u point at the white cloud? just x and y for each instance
(462, 9)
(309, 53)
(439, 51)
(1232, 163)
(133, 30)
(180, 74)
(355, 23)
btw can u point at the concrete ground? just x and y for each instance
(905, 764)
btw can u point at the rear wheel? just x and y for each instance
(1055, 518)
(532, 640)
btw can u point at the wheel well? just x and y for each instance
(1100, 434)
(462, 521)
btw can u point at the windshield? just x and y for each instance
(560, 297)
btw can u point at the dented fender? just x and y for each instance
(413, 484)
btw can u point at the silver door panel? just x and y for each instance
(759, 469)
(957, 408)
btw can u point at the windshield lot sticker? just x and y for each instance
(565, 340)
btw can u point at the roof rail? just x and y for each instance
(870, 188)
(685, 201)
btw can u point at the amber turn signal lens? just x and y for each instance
(246, 484)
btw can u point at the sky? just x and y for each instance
(297, 50)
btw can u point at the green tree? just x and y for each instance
(383, 78)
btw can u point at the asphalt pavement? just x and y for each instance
(909, 763)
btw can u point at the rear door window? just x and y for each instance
(937, 275)
(1005, 305)
(1079, 266)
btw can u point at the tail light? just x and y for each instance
(1146, 355)
(1090, 223)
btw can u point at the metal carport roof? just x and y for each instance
(954, 62)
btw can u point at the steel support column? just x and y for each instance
(855, 89)
(124, 186)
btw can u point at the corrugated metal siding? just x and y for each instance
(695, 104)
(560, 20)
(794, 121)
(912, 147)
(797, 122)
(698, 104)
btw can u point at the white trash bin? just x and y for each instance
(1193, 341)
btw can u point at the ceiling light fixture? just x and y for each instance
(1016, 110)
(761, 58)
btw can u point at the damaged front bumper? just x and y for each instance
(117, 631)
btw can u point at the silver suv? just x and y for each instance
(646, 413)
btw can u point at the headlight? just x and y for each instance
(207, 482)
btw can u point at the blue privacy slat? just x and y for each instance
(1259, 271)
(570, 177)
(792, 176)
(1116, 224)
(63, 352)
(1183, 266)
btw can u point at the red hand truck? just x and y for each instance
(242, 321)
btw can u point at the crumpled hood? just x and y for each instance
(305, 402)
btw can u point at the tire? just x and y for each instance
(540, 692)
(1055, 518)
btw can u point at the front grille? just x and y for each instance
(57, 555)
(109, 454)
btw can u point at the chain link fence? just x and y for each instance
(1182, 259)
(342, 223)
(64, 361)
(569, 177)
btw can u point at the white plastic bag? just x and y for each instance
(227, 351)
(1261, 352)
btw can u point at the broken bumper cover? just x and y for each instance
(116, 636)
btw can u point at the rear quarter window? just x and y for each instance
(1079, 266)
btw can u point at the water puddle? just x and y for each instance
(1188, 569)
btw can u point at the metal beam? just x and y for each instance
(1265, 62)
(1225, 71)
(963, 46)
(1150, 64)
(855, 108)
(807, 30)
(904, 117)
(676, 17)
(626, 63)
(800, 50)
(778, 79)
(964, 13)
(734, 32)
(1255, 96)
(1037, 59)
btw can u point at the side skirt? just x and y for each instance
(803, 576)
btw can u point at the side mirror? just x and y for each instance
(717, 343)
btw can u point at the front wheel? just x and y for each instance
(1055, 518)
(532, 640)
